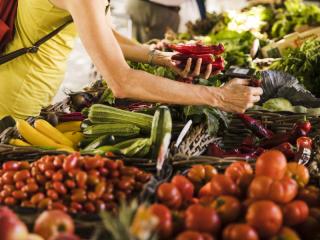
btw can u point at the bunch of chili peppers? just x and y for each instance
(208, 54)
(263, 138)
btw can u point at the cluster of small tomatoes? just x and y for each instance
(272, 202)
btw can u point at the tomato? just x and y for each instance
(163, 214)
(295, 212)
(237, 169)
(265, 217)
(299, 173)
(205, 191)
(228, 208)
(271, 163)
(191, 235)
(202, 219)
(169, 195)
(286, 234)
(197, 173)
(311, 195)
(223, 185)
(184, 185)
(210, 171)
(240, 231)
(279, 191)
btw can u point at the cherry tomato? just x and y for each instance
(295, 212)
(202, 219)
(228, 208)
(279, 191)
(272, 164)
(265, 217)
(311, 195)
(223, 185)
(7, 177)
(70, 163)
(100, 189)
(197, 173)
(240, 231)
(81, 179)
(19, 195)
(299, 173)
(59, 187)
(37, 198)
(184, 186)
(58, 176)
(169, 195)
(11, 166)
(164, 216)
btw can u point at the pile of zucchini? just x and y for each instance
(132, 134)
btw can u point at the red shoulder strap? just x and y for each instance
(8, 11)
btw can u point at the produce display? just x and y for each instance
(97, 167)
(71, 183)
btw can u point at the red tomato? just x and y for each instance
(265, 217)
(202, 219)
(286, 234)
(271, 163)
(295, 212)
(228, 208)
(184, 185)
(237, 169)
(223, 185)
(299, 173)
(279, 191)
(164, 216)
(210, 171)
(205, 191)
(192, 235)
(240, 232)
(311, 195)
(197, 173)
(169, 195)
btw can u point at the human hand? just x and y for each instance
(236, 96)
(164, 58)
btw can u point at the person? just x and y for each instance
(152, 18)
(29, 82)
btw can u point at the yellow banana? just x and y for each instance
(75, 137)
(51, 132)
(18, 142)
(73, 126)
(33, 136)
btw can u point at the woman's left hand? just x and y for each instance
(164, 59)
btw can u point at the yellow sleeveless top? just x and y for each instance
(29, 82)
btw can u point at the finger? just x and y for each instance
(256, 91)
(197, 69)
(208, 71)
(255, 99)
(240, 81)
(187, 68)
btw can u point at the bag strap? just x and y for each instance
(33, 49)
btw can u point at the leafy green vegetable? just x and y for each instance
(278, 104)
(155, 70)
(303, 63)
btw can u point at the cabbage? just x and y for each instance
(278, 104)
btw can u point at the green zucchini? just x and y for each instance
(115, 129)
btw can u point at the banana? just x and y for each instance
(18, 142)
(75, 137)
(51, 132)
(33, 136)
(73, 126)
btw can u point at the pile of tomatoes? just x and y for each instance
(272, 202)
(71, 183)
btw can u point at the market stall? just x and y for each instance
(96, 167)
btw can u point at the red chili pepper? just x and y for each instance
(250, 140)
(197, 48)
(255, 126)
(75, 116)
(304, 147)
(206, 58)
(215, 150)
(287, 149)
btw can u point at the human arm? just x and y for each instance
(101, 44)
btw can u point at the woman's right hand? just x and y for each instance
(236, 96)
